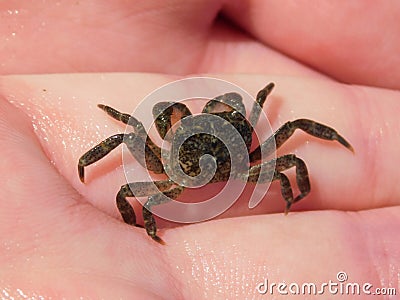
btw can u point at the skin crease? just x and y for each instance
(60, 238)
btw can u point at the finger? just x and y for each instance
(69, 124)
(231, 258)
(118, 36)
(335, 39)
(110, 30)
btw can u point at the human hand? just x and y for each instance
(64, 239)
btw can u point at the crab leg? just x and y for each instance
(286, 131)
(272, 169)
(98, 152)
(258, 105)
(124, 118)
(146, 153)
(160, 192)
(137, 189)
(141, 151)
(135, 123)
(157, 199)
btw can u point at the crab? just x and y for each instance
(230, 108)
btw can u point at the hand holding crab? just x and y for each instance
(230, 108)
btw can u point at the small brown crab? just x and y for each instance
(230, 108)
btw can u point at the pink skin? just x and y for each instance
(60, 238)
